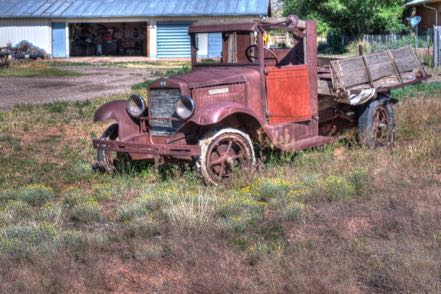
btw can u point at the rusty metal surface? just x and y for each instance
(163, 120)
(284, 104)
(276, 105)
(153, 149)
(116, 110)
(215, 113)
(211, 95)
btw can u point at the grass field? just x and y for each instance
(336, 219)
(36, 69)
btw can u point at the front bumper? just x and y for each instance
(156, 150)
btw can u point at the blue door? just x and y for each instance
(173, 40)
(59, 39)
(214, 45)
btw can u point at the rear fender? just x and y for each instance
(116, 111)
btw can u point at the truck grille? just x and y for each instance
(163, 105)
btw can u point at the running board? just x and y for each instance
(310, 143)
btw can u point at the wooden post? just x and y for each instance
(360, 49)
(147, 40)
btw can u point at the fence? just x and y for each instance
(423, 42)
(428, 44)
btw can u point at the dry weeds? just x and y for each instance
(337, 219)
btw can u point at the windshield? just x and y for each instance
(227, 48)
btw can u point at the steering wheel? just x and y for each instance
(252, 58)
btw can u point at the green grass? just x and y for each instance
(156, 65)
(168, 73)
(326, 219)
(36, 70)
(428, 89)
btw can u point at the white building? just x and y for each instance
(153, 28)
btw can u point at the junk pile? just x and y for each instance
(27, 50)
(22, 51)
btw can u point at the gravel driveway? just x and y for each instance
(94, 82)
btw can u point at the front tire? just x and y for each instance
(106, 160)
(376, 124)
(225, 153)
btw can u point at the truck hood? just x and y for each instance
(205, 77)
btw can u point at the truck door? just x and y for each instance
(287, 83)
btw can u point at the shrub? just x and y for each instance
(294, 212)
(257, 252)
(50, 213)
(73, 197)
(143, 251)
(338, 188)
(57, 107)
(35, 195)
(25, 240)
(194, 215)
(243, 205)
(141, 228)
(104, 192)
(132, 210)
(78, 242)
(86, 213)
(233, 225)
(273, 189)
(360, 180)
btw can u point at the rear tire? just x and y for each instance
(376, 124)
(225, 153)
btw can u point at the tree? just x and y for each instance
(350, 17)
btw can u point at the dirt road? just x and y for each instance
(94, 82)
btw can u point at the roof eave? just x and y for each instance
(420, 2)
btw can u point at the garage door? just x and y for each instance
(214, 45)
(173, 40)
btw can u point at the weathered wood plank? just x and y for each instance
(401, 52)
(351, 64)
(377, 58)
(407, 64)
(382, 70)
(356, 78)
(325, 88)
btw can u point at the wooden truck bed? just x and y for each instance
(381, 71)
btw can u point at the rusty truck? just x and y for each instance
(266, 90)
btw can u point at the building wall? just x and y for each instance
(428, 15)
(39, 31)
(36, 31)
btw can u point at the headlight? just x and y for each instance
(185, 107)
(135, 106)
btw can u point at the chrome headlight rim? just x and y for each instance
(185, 107)
(135, 106)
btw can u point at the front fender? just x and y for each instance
(216, 113)
(111, 110)
(116, 110)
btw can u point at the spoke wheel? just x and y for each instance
(106, 159)
(376, 124)
(225, 155)
(380, 129)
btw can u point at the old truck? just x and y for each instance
(266, 90)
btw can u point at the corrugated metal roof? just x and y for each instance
(131, 8)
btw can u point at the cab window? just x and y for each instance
(237, 48)
(289, 48)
